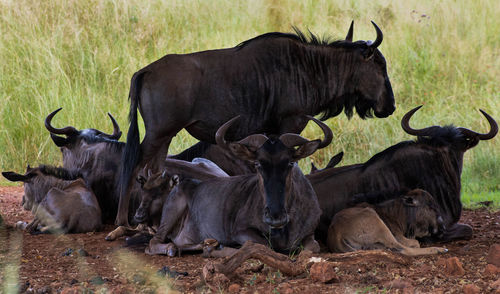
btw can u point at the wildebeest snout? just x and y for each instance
(275, 220)
(141, 215)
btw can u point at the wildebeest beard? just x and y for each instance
(349, 102)
(277, 238)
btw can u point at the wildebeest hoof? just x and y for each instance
(171, 250)
(209, 245)
(20, 225)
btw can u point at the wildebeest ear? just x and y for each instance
(15, 177)
(306, 149)
(410, 201)
(59, 141)
(174, 180)
(141, 180)
(242, 151)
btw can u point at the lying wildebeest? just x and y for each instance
(97, 156)
(433, 163)
(272, 81)
(275, 206)
(59, 200)
(387, 225)
(156, 186)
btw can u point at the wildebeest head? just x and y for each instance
(154, 187)
(38, 181)
(416, 213)
(369, 90)
(466, 140)
(76, 138)
(274, 157)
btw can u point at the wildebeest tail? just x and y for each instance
(131, 154)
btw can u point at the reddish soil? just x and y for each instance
(44, 268)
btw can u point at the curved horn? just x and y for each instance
(492, 133)
(348, 37)
(221, 132)
(62, 131)
(326, 130)
(292, 140)
(117, 133)
(405, 124)
(379, 39)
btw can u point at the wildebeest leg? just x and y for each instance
(383, 235)
(310, 244)
(150, 148)
(457, 231)
(125, 231)
(407, 242)
(32, 227)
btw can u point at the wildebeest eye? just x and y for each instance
(291, 164)
(256, 164)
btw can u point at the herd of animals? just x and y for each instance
(241, 182)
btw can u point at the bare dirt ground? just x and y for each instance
(86, 263)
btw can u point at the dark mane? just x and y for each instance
(113, 145)
(439, 137)
(60, 173)
(442, 136)
(308, 39)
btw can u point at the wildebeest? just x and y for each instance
(433, 162)
(97, 156)
(155, 186)
(387, 225)
(275, 206)
(59, 200)
(272, 81)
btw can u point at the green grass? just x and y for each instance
(80, 55)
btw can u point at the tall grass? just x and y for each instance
(80, 55)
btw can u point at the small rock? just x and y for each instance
(470, 289)
(82, 252)
(97, 280)
(234, 288)
(494, 255)
(164, 271)
(452, 266)
(67, 252)
(323, 272)
(491, 270)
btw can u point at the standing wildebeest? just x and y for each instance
(59, 200)
(97, 156)
(387, 225)
(272, 81)
(275, 206)
(433, 163)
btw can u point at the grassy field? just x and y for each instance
(80, 55)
